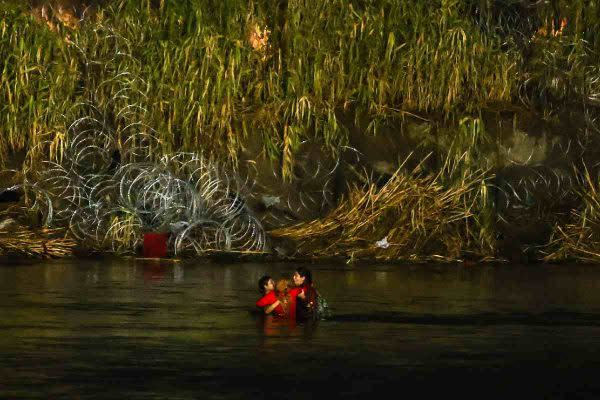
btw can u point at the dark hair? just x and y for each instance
(305, 273)
(262, 282)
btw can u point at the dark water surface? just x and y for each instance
(141, 330)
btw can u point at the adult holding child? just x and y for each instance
(269, 302)
(276, 298)
(296, 301)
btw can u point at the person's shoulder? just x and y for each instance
(294, 291)
(266, 300)
(270, 295)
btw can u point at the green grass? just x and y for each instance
(187, 70)
(205, 87)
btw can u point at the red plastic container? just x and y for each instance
(155, 245)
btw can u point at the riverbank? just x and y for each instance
(455, 129)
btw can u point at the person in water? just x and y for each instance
(269, 302)
(303, 295)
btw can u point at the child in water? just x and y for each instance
(298, 301)
(270, 302)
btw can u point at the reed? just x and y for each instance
(44, 243)
(209, 80)
(411, 217)
(579, 237)
(214, 73)
(210, 76)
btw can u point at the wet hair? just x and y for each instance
(305, 273)
(262, 282)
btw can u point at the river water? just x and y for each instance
(126, 329)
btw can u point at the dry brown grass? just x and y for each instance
(19, 239)
(420, 218)
(579, 238)
(43, 243)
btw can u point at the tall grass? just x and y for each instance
(411, 217)
(579, 237)
(206, 86)
(36, 83)
(214, 75)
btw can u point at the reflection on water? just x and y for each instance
(142, 329)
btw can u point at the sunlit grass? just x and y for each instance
(208, 81)
(412, 217)
(212, 75)
(207, 86)
(579, 237)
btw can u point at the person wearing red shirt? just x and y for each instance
(303, 297)
(269, 301)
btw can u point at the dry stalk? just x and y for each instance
(45, 243)
(579, 238)
(417, 216)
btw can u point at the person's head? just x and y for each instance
(302, 276)
(266, 284)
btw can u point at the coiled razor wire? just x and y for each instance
(110, 184)
(110, 204)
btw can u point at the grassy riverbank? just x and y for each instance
(211, 73)
(214, 77)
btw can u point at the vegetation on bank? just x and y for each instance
(18, 240)
(578, 237)
(213, 75)
(410, 218)
(215, 72)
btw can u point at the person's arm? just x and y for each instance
(266, 300)
(302, 294)
(269, 309)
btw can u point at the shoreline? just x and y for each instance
(224, 257)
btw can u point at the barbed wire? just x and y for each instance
(111, 182)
